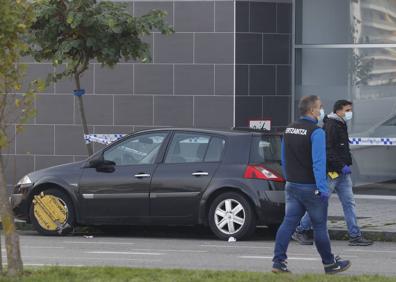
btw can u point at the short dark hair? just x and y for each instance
(338, 105)
(307, 103)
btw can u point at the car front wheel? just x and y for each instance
(231, 215)
(51, 213)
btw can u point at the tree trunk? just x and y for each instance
(82, 114)
(14, 261)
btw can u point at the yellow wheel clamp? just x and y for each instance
(50, 213)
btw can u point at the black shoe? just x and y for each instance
(302, 238)
(280, 267)
(338, 266)
(360, 241)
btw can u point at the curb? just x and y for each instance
(340, 234)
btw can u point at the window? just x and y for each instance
(265, 149)
(142, 149)
(191, 148)
(215, 150)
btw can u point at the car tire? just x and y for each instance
(68, 222)
(231, 215)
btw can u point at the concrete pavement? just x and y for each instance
(376, 217)
(184, 248)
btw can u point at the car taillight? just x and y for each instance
(260, 172)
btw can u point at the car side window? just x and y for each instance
(142, 149)
(215, 150)
(187, 148)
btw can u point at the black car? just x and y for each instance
(229, 180)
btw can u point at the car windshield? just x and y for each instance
(265, 148)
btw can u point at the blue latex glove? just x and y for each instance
(324, 197)
(346, 170)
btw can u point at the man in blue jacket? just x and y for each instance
(304, 165)
(339, 161)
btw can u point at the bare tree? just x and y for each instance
(15, 20)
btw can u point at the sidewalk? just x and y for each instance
(376, 218)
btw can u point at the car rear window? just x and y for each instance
(265, 148)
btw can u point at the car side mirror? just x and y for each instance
(102, 165)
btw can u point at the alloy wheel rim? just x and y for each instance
(229, 216)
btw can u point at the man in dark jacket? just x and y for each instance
(304, 166)
(339, 161)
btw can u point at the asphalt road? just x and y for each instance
(192, 248)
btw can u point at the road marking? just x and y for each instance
(96, 242)
(87, 258)
(369, 251)
(42, 247)
(36, 247)
(49, 264)
(375, 197)
(124, 253)
(180, 251)
(233, 246)
(271, 257)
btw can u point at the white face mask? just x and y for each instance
(322, 115)
(348, 116)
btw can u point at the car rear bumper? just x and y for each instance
(270, 212)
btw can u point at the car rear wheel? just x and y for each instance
(51, 213)
(231, 215)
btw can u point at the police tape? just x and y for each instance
(107, 139)
(370, 141)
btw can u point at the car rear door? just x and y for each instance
(187, 169)
(265, 150)
(121, 195)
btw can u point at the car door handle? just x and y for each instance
(142, 175)
(200, 173)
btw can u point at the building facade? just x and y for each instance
(229, 62)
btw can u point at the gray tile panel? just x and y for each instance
(194, 16)
(277, 109)
(194, 79)
(36, 139)
(242, 16)
(173, 111)
(224, 79)
(176, 48)
(98, 109)
(116, 80)
(153, 79)
(248, 48)
(262, 80)
(247, 108)
(224, 16)
(133, 110)
(55, 109)
(262, 17)
(283, 80)
(276, 49)
(216, 48)
(213, 112)
(241, 80)
(284, 17)
(69, 140)
(16, 167)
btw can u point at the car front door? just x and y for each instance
(187, 169)
(121, 194)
